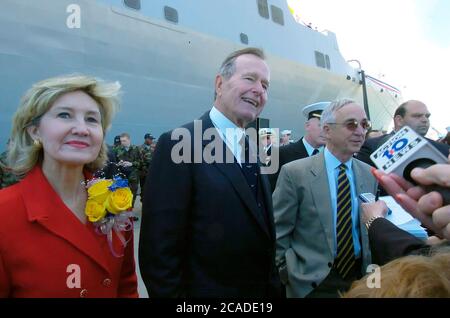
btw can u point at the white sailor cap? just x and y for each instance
(265, 132)
(286, 132)
(314, 110)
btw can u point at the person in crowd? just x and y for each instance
(265, 138)
(117, 141)
(128, 156)
(48, 247)
(207, 228)
(153, 145)
(322, 244)
(7, 177)
(285, 137)
(411, 113)
(111, 154)
(446, 138)
(311, 144)
(374, 133)
(414, 276)
(146, 159)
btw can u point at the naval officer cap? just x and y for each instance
(286, 132)
(314, 110)
(265, 132)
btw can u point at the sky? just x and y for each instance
(405, 43)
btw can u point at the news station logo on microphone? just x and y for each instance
(405, 151)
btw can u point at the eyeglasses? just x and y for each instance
(352, 124)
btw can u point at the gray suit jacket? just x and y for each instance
(304, 222)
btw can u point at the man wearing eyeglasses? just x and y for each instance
(322, 244)
(412, 113)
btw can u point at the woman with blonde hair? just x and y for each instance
(413, 276)
(49, 246)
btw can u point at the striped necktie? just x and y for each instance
(345, 260)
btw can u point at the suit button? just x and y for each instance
(83, 293)
(107, 282)
(314, 285)
(330, 264)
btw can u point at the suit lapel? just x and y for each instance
(300, 149)
(363, 184)
(268, 201)
(233, 173)
(322, 197)
(362, 178)
(46, 208)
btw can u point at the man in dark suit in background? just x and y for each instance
(308, 145)
(207, 228)
(411, 113)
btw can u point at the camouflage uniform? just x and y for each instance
(7, 178)
(133, 155)
(146, 159)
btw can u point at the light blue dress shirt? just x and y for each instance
(332, 165)
(228, 131)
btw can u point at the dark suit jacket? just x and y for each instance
(388, 242)
(372, 144)
(287, 154)
(202, 234)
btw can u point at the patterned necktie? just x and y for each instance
(315, 152)
(345, 260)
(244, 149)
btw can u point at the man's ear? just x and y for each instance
(218, 85)
(33, 131)
(326, 130)
(307, 125)
(398, 121)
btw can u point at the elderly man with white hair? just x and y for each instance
(322, 243)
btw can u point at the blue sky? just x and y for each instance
(403, 42)
(436, 22)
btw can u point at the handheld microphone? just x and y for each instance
(405, 151)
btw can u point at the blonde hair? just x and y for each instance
(409, 277)
(23, 155)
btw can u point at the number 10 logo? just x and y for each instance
(397, 146)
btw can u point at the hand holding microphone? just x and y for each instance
(397, 159)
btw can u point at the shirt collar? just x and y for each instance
(308, 146)
(332, 162)
(227, 129)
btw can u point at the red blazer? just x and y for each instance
(40, 239)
